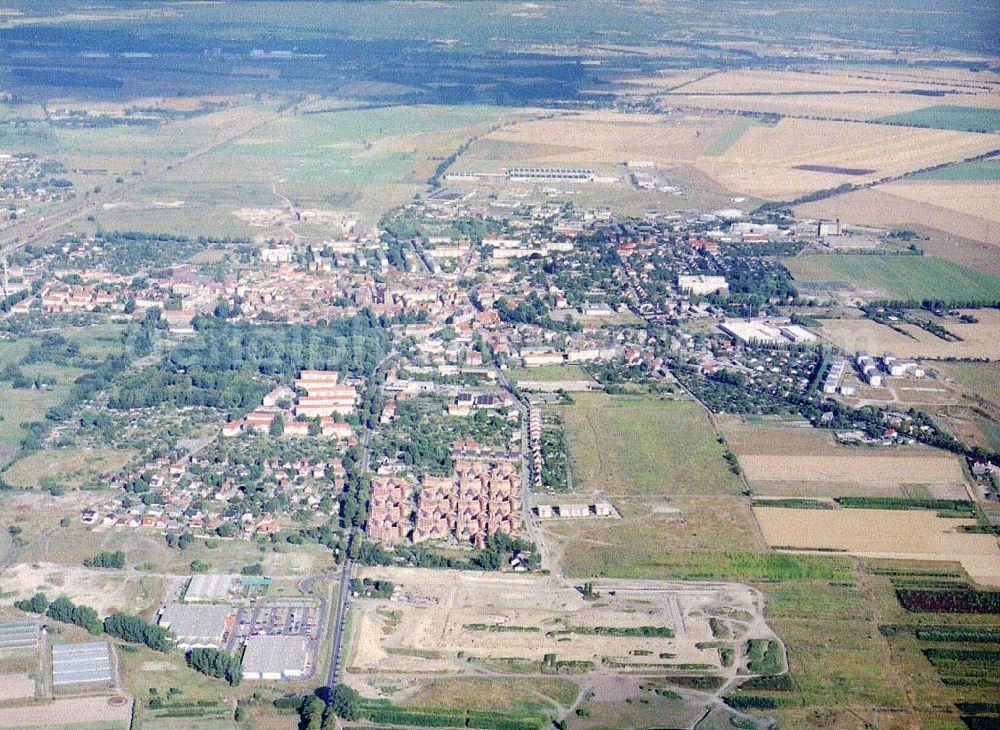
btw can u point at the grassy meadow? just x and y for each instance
(626, 445)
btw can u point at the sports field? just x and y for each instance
(898, 277)
(625, 445)
(959, 118)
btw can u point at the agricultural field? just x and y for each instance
(978, 378)
(979, 170)
(933, 206)
(895, 277)
(899, 534)
(728, 138)
(550, 373)
(978, 339)
(84, 713)
(948, 116)
(816, 81)
(804, 462)
(798, 156)
(635, 446)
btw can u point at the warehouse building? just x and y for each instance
(74, 664)
(197, 627)
(276, 657)
(19, 635)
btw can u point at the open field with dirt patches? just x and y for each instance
(103, 590)
(638, 544)
(67, 467)
(902, 205)
(899, 534)
(978, 340)
(790, 461)
(763, 161)
(458, 623)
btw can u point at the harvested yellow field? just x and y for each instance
(807, 462)
(609, 137)
(783, 82)
(764, 161)
(898, 534)
(876, 468)
(660, 81)
(976, 199)
(839, 106)
(884, 208)
(979, 340)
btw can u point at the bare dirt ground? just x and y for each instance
(904, 535)
(77, 710)
(16, 687)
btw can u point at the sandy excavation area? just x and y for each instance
(900, 534)
(452, 622)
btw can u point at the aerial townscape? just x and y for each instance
(593, 365)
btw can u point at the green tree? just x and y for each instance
(277, 425)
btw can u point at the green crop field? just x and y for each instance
(728, 138)
(960, 118)
(549, 373)
(964, 171)
(902, 277)
(640, 446)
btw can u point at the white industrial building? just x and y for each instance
(276, 657)
(197, 626)
(702, 285)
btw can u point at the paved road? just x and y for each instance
(343, 593)
(344, 588)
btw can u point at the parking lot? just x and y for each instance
(276, 618)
